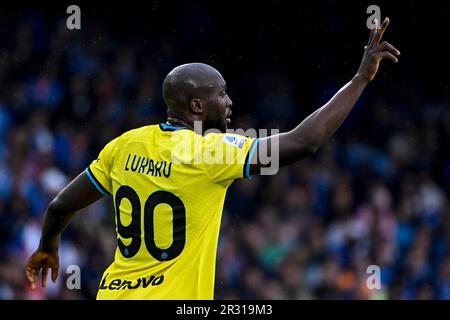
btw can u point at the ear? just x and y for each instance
(196, 106)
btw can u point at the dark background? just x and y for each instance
(377, 193)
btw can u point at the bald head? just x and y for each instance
(197, 92)
(190, 81)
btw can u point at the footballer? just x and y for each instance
(168, 201)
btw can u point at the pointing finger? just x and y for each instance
(372, 32)
(377, 37)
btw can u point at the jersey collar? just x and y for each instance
(168, 127)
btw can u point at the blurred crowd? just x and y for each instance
(373, 196)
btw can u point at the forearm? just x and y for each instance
(317, 128)
(77, 195)
(286, 148)
(56, 219)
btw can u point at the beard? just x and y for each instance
(216, 124)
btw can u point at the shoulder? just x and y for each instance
(138, 132)
(232, 139)
(134, 135)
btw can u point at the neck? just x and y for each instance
(176, 121)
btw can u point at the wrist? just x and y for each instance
(358, 78)
(49, 245)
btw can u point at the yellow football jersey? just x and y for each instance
(168, 186)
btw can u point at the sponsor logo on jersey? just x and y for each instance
(234, 141)
(122, 284)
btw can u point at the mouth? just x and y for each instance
(228, 116)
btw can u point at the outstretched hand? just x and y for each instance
(376, 51)
(41, 260)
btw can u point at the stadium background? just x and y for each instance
(377, 193)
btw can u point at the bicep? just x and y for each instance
(277, 151)
(78, 194)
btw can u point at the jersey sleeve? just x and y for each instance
(227, 156)
(99, 171)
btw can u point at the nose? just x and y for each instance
(230, 103)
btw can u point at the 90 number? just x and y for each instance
(133, 230)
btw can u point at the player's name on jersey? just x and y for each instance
(144, 165)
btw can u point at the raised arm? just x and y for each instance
(317, 128)
(78, 194)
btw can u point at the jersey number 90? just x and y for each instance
(133, 230)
